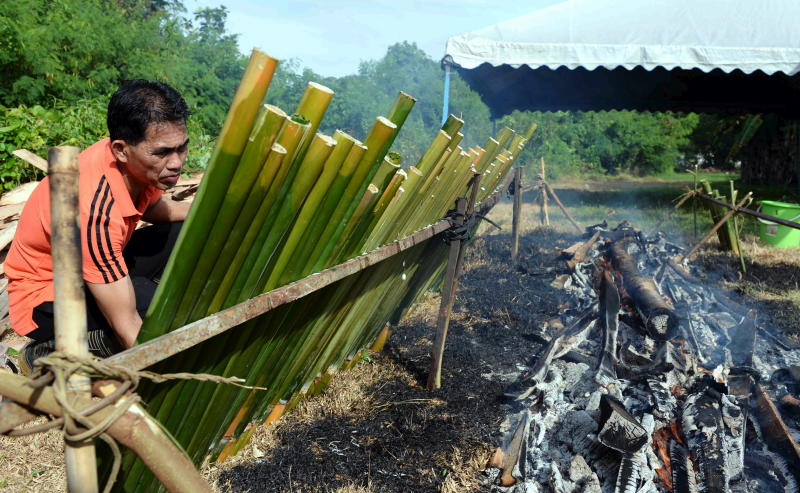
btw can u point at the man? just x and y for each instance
(122, 179)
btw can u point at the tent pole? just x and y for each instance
(446, 98)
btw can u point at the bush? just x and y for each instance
(78, 124)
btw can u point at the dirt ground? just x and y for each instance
(376, 428)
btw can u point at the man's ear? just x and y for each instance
(119, 148)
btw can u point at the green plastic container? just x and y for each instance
(775, 234)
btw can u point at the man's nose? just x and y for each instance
(175, 161)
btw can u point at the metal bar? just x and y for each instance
(161, 348)
(180, 339)
(515, 218)
(69, 307)
(446, 304)
(750, 212)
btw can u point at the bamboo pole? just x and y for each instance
(544, 212)
(69, 307)
(135, 429)
(561, 206)
(517, 211)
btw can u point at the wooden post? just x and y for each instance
(544, 213)
(448, 296)
(517, 211)
(455, 263)
(69, 307)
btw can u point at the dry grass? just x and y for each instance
(32, 463)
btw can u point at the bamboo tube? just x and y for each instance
(331, 168)
(492, 148)
(297, 269)
(455, 141)
(434, 152)
(318, 152)
(452, 125)
(220, 169)
(377, 143)
(529, 132)
(69, 307)
(289, 138)
(315, 158)
(356, 239)
(504, 137)
(360, 215)
(253, 159)
(385, 173)
(312, 107)
(385, 226)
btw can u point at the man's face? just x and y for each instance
(157, 160)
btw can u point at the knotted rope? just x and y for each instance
(75, 423)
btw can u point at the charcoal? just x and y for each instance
(705, 434)
(683, 480)
(628, 475)
(579, 470)
(606, 373)
(619, 430)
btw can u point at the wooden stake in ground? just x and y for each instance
(448, 296)
(561, 206)
(455, 262)
(517, 211)
(544, 212)
(716, 227)
(69, 307)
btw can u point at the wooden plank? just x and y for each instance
(7, 234)
(9, 211)
(31, 159)
(19, 194)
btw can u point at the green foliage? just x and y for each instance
(68, 56)
(37, 129)
(80, 124)
(71, 50)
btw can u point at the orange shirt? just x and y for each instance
(108, 219)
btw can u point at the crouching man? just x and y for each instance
(122, 179)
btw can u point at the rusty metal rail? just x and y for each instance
(751, 212)
(182, 338)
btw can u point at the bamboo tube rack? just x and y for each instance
(276, 292)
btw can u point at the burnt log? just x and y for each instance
(660, 319)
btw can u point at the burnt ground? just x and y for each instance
(377, 429)
(396, 436)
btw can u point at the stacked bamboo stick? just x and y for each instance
(280, 201)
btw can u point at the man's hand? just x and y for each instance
(166, 210)
(117, 301)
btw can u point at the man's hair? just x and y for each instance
(140, 103)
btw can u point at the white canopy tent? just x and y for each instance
(704, 55)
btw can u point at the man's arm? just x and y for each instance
(117, 301)
(166, 210)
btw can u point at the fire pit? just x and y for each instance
(657, 381)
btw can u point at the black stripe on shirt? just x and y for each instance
(92, 215)
(99, 242)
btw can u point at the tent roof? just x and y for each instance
(680, 50)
